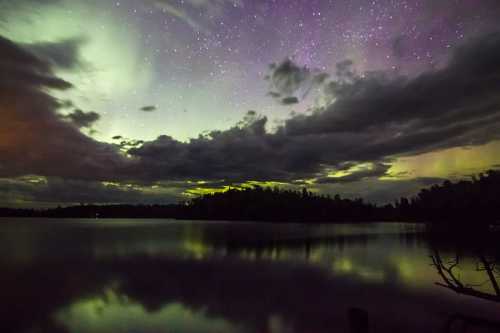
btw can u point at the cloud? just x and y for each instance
(454, 106)
(371, 119)
(63, 54)
(239, 153)
(376, 170)
(289, 100)
(21, 68)
(290, 80)
(127, 143)
(54, 190)
(178, 12)
(34, 139)
(287, 77)
(148, 108)
(83, 119)
(197, 14)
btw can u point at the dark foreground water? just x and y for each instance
(165, 276)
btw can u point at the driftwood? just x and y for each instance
(452, 282)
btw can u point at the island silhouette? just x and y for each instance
(466, 204)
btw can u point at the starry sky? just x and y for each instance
(155, 101)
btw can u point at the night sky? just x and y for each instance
(155, 101)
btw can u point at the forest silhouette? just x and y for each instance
(466, 204)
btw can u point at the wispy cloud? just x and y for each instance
(198, 14)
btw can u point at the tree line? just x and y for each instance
(474, 202)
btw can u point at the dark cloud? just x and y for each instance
(289, 100)
(66, 104)
(56, 190)
(34, 139)
(456, 105)
(288, 79)
(127, 144)
(22, 69)
(62, 54)
(244, 152)
(83, 119)
(240, 153)
(148, 108)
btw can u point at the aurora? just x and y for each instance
(156, 101)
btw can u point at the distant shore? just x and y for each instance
(461, 206)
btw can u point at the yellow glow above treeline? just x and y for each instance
(351, 170)
(449, 163)
(200, 190)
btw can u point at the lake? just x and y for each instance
(159, 276)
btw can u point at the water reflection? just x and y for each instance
(114, 312)
(458, 279)
(485, 287)
(197, 277)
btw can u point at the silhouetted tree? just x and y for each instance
(277, 205)
(464, 205)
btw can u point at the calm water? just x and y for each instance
(166, 276)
